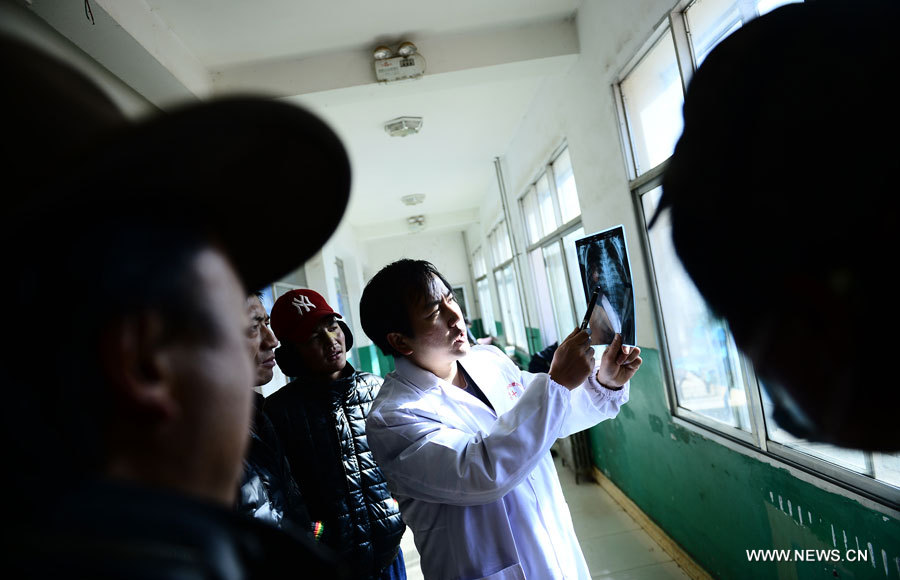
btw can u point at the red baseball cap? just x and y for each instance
(296, 314)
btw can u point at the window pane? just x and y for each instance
(492, 245)
(763, 6)
(504, 250)
(487, 307)
(545, 204)
(653, 99)
(506, 292)
(532, 216)
(478, 264)
(846, 458)
(705, 361)
(544, 301)
(887, 468)
(709, 22)
(513, 303)
(512, 310)
(559, 289)
(499, 242)
(565, 187)
(575, 274)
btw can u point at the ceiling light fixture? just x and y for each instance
(414, 199)
(403, 126)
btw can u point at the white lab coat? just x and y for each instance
(479, 490)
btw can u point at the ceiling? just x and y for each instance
(485, 61)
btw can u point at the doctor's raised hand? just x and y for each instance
(618, 364)
(573, 361)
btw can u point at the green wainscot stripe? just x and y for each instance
(718, 503)
(372, 360)
(366, 362)
(478, 328)
(533, 335)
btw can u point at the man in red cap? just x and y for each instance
(320, 418)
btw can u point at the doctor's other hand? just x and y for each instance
(573, 361)
(618, 364)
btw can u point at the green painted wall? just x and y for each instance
(478, 328)
(366, 362)
(372, 360)
(718, 503)
(534, 340)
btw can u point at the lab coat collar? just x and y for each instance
(412, 373)
(425, 380)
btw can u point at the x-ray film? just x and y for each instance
(603, 259)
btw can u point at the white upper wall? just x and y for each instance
(579, 108)
(19, 22)
(445, 250)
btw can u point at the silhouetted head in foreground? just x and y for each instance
(784, 210)
(127, 269)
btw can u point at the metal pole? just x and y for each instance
(515, 250)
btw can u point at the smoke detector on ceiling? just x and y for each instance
(403, 126)
(414, 199)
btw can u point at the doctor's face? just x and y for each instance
(439, 330)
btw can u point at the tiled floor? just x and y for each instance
(614, 546)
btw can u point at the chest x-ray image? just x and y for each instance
(603, 258)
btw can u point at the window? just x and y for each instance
(552, 217)
(510, 307)
(513, 326)
(705, 364)
(652, 97)
(709, 21)
(482, 287)
(487, 306)
(710, 382)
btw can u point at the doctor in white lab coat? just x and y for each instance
(463, 435)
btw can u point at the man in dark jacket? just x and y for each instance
(127, 392)
(320, 417)
(268, 491)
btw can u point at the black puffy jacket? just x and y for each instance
(268, 491)
(322, 429)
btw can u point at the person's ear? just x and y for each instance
(134, 364)
(400, 343)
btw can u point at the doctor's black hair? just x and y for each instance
(385, 302)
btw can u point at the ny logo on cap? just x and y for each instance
(302, 304)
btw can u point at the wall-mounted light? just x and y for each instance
(407, 48)
(382, 52)
(406, 63)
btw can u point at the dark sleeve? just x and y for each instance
(295, 508)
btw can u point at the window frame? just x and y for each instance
(499, 263)
(555, 236)
(757, 441)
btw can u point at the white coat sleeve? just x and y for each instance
(590, 403)
(424, 458)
